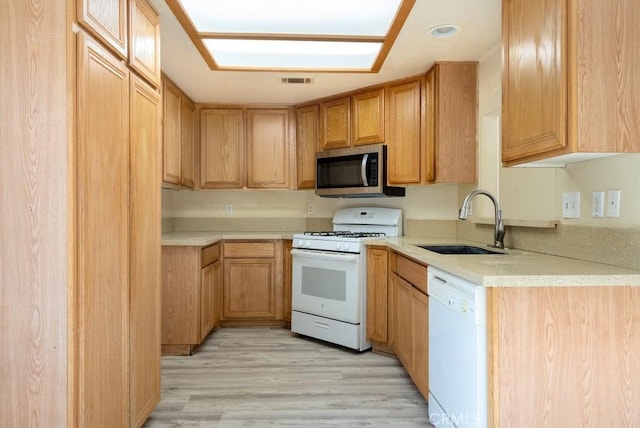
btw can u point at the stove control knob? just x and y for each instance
(338, 246)
(307, 244)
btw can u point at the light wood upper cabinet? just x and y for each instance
(431, 126)
(367, 117)
(569, 79)
(404, 131)
(335, 123)
(451, 102)
(268, 153)
(144, 244)
(171, 133)
(187, 136)
(178, 138)
(107, 21)
(307, 142)
(222, 148)
(101, 326)
(144, 39)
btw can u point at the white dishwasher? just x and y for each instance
(457, 351)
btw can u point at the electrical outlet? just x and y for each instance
(228, 209)
(571, 205)
(309, 209)
(597, 204)
(613, 203)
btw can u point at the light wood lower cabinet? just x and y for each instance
(563, 354)
(287, 272)
(252, 280)
(190, 285)
(377, 295)
(398, 311)
(412, 318)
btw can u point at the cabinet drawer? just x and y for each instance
(413, 272)
(265, 249)
(210, 254)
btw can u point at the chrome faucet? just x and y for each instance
(498, 235)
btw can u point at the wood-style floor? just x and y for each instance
(270, 377)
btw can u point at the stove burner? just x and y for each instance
(347, 234)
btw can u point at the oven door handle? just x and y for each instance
(321, 255)
(363, 170)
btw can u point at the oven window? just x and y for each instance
(325, 283)
(344, 171)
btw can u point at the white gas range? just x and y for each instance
(329, 275)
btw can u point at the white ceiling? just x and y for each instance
(413, 52)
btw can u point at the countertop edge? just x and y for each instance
(517, 268)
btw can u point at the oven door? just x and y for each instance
(327, 284)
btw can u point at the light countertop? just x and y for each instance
(516, 268)
(202, 239)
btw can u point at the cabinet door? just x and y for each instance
(451, 94)
(286, 277)
(307, 141)
(207, 280)
(404, 135)
(249, 289)
(404, 322)
(181, 270)
(107, 21)
(144, 38)
(171, 133)
(420, 357)
(188, 124)
(377, 293)
(144, 244)
(101, 364)
(222, 148)
(335, 124)
(217, 292)
(367, 117)
(268, 148)
(534, 98)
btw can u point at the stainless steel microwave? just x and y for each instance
(355, 172)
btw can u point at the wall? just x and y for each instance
(421, 202)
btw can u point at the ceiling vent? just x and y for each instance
(296, 80)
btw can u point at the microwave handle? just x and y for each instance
(363, 170)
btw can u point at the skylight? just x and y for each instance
(302, 35)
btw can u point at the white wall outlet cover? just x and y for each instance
(571, 205)
(228, 209)
(597, 204)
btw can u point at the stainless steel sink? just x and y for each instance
(457, 249)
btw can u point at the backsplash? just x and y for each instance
(614, 246)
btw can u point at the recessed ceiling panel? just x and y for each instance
(319, 17)
(325, 35)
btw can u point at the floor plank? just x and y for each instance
(270, 377)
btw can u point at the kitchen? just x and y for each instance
(527, 196)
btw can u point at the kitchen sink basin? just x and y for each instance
(458, 249)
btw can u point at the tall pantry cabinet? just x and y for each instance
(116, 346)
(80, 251)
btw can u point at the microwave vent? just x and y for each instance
(296, 80)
